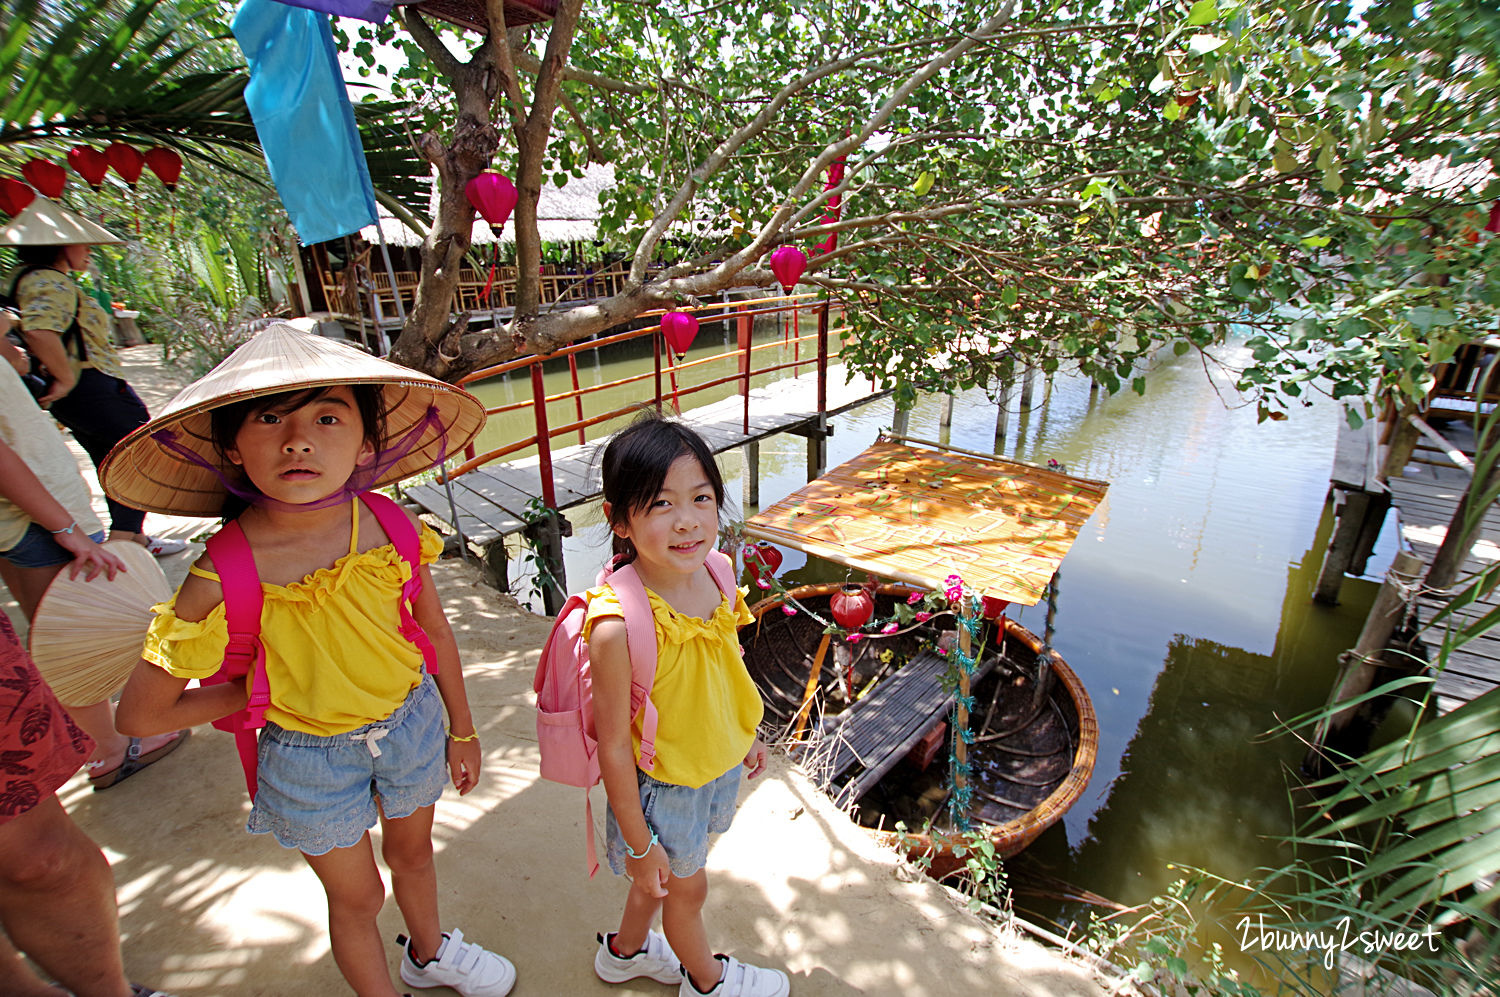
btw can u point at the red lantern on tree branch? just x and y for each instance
(852, 606)
(494, 197)
(679, 330)
(46, 176)
(89, 163)
(165, 163)
(14, 195)
(126, 160)
(788, 264)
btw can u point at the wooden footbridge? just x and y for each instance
(488, 497)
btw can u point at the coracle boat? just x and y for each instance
(869, 721)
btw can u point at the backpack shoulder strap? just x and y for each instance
(722, 569)
(640, 639)
(408, 543)
(243, 599)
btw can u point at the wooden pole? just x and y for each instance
(1357, 675)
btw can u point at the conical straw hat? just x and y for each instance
(143, 473)
(86, 636)
(44, 222)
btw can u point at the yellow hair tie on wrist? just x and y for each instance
(472, 737)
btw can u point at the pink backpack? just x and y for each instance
(564, 688)
(243, 599)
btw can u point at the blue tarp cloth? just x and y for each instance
(301, 111)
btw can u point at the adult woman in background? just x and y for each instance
(69, 333)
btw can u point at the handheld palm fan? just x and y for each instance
(86, 636)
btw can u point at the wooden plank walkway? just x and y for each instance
(492, 500)
(877, 731)
(1426, 498)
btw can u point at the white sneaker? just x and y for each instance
(740, 980)
(163, 547)
(471, 970)
(656, 960)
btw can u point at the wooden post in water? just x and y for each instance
(1028, 383)
(751, 483)
(1357, 674)
(901, 421)
(1002, 413)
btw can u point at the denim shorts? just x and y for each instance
(682, 818)
(318, 793)
(39, 549)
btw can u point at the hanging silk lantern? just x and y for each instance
(89, 163)
(788, 263)
(46, 176)
(852, 606)
(1494, 222)
(165, 163)
(762, 559)
(993, 608)
(493, 196)
(15, 195)
(679, 328)
(126, 160)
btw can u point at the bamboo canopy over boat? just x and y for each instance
(917, 512)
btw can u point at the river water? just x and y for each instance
(1184, 607)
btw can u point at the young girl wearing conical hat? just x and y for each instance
(287, 433)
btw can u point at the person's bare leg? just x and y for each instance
(355, 896)
(682, 922)
(16, 977)
(57, 901)
(640, 913)
(406, 846)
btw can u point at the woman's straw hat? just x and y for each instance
(86, 636)
(44, 222)
(171, 465)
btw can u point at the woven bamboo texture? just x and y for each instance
(918, 513)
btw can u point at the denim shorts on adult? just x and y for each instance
(682, 818)
(318, 793)
(39, 549)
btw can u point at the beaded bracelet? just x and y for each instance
(644, 851)
(472, 737)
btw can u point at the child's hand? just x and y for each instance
(463, 764)
(650, 871)
(755, 761)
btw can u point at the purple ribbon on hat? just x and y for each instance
(362, 480)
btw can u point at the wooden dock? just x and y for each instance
(1425, 498)
(492, 500)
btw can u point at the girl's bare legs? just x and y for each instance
(355, 896)
(641, 909)
(682, 922)
(406, 846)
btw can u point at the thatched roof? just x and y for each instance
(564, 214)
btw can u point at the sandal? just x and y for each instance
(133, 762)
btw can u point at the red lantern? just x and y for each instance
(14, 195)
(1494, 222)
(993, 607)
(46, 176)
(126, 160)
(678, 329)
(89, 163)
(165, 163)
(493, 196)
(788, 263)
(852, 606)
(762, 559)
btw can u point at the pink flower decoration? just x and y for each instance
(923, 616)
(855, 638)
(942, 652)
(762, 583)
(788, 610)
(890, 628)
(914, 598)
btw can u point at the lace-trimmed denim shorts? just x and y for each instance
(39, 549)
(682, 818)
(318, 793)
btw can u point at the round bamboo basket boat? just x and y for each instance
(784, 682)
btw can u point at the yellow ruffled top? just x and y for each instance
(335, 658)
(708, 707)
